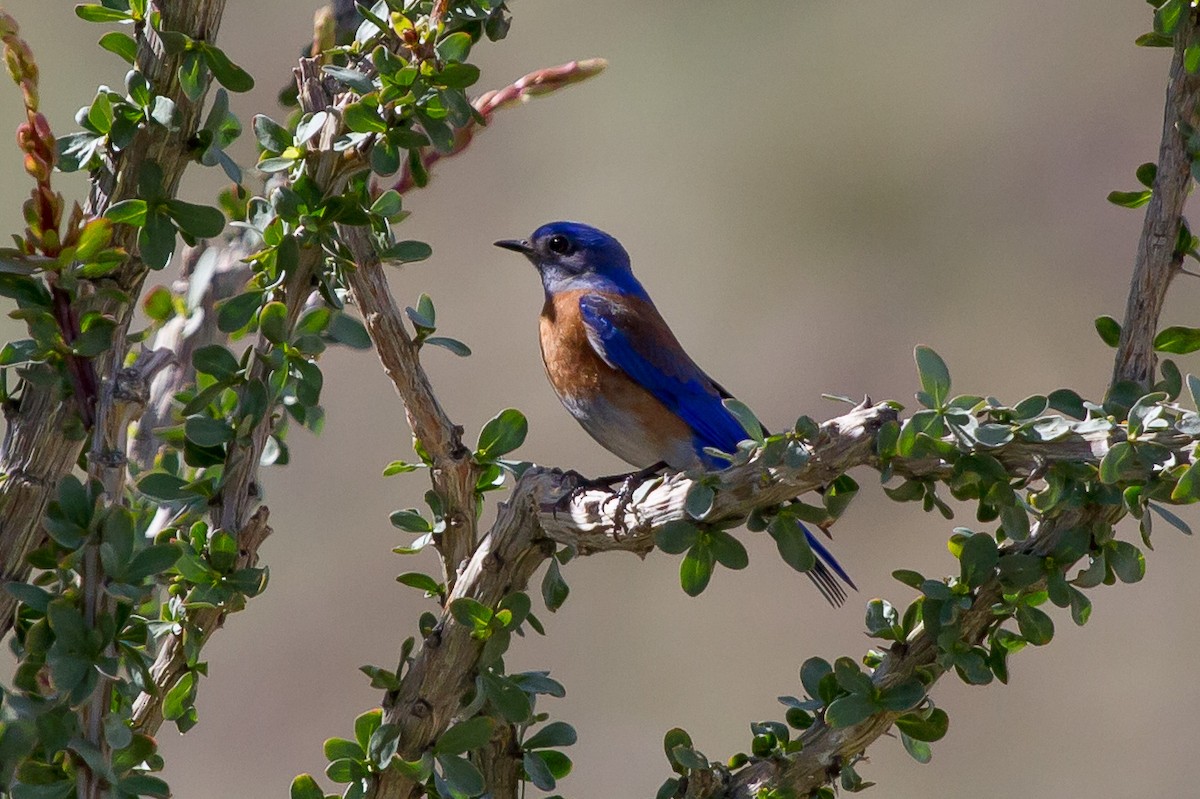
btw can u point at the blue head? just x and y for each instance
(572, 255)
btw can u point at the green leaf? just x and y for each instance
(305, 787)
(272, 321)
(363, 118)
(728, 551)
(455, 47)
(345, 769)
(164, 487)
(198, 221)
(502, 434)
(236, 312)
(159, 304)
(30, 595)
(384, 741)
(227, 73)
(918, 750)
(407, 252)
(537, 771)
(471, 613)
(345, 329)
(1178, 340)
(746, 418)
(457, 76)
(852, 678)
(222, 551)
(464, 736)
(128, 212)
(978, 559)
(554, 587)
(696, 568)
(154, 559)
(907, 694)
(508, 698)
(791, 542)
(410, 520)
(191, 74)
(1109, 330)
(420, 581)
(179, 697)
(1117, 462)
(1168, 14)
(1035, 625)
(351, 77)
(554, 734)
(676, 536)
(343, 749)
(1130, 199)
(365, 725)
(699, 500)
(156, 239)
(935, 377)
(931, 728)
(1081, 606)
(454, 345)
(1127, 561)
(207, 431)
(272, 137)
(812, 672)
(387, 204)
(848, 710)
(1170, 518)
(215, 360)
(94, 12)
(120, 44)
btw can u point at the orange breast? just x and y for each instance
(621, 415)
(575, 370)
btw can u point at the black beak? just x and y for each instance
(516, 245)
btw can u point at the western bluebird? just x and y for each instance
(620, 371)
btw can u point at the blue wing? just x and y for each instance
(638, 342)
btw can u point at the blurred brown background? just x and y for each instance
(808, 190)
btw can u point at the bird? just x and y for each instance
(620, 371)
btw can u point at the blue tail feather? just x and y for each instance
(821, 574)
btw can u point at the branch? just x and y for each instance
(1159, 257)
(172, 661)
(824, 749)
(35, 454)
(453, 472)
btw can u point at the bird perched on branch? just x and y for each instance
(620, 371)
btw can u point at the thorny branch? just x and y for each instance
(520, 538)
(1159, 257)
(35, 454)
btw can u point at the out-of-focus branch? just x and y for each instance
(209, 273)
(1158, 255)
(536, 83)
(35, 453)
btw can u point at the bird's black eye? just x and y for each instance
(560, 245)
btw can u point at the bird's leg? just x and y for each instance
(625, 493)
(628, 481)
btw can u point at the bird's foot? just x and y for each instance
(628, 480)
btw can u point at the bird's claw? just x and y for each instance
(624, 494)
